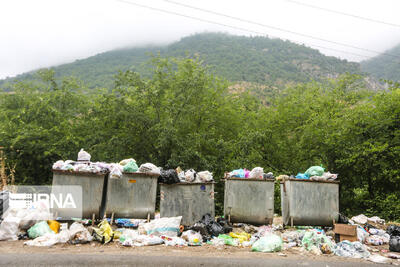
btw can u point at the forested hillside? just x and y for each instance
(185, 116)
(384, 66)
(271, 62)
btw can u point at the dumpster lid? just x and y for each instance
(140, 174)
(311, 181)
(250, 179)
(79, 173)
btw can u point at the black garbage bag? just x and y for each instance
(202, 229)
(168, 177)
(208, 227)
(225, 225)
(213, 228)
(394, 243)
(393, 230)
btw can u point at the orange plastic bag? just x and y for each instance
(54, 225)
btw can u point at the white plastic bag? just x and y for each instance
(83, 155)
(9, 228)
(149, 168)
(360, 219)
(168, 226)
(46, 240)
(78, 232)
(361, 234)
(190, 175)
(205, 176)
(58, 165)
(192, 237)
(115, 171)
(256, 173)
(126, 161)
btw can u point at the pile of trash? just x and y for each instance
(256, 173)
(173, 176)
(317, 173)
(37, 226)
(115, 170)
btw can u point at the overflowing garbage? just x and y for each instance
(115, 170)
(317, 173)
(209, 231)
(255, 173)
(359, 237)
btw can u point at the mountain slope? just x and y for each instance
(383, 66)
(237, 58)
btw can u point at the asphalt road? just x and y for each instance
(10, 259)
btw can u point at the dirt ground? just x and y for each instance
(95, 248)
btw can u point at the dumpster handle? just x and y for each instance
(284, 185)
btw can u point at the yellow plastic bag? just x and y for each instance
(54, 225)
(241, 236)
(104, 232)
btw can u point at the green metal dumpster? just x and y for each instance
(249, 200)
(92, 185)
(132, 196)
(308, 202)
(189, 200)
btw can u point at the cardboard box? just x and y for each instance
(346, 232)
(350, 238)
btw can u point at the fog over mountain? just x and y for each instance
(45, 33)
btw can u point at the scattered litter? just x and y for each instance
(351, 249)
(378, 259)
(174, 241)
(317, 242)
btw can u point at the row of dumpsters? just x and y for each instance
(303, 202)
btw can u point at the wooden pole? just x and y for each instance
(3, 169)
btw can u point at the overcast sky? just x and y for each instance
(43, 33)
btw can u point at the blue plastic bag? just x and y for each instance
(302, 176)
(240, 173)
